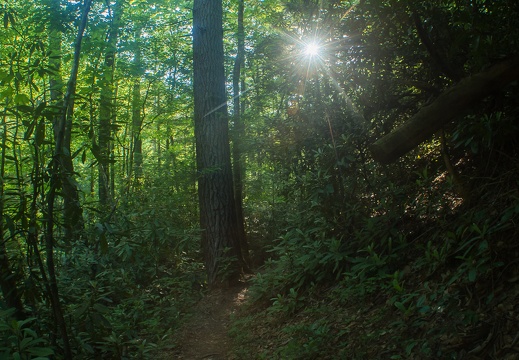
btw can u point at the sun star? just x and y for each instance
(312, 49)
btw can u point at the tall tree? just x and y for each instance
(72, 210)
(61, 171)
(107, 107)
(7, 279)
(136, 155)
(218, 218)
(239, 131)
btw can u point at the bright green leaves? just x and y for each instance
(7, 93)
(21, 99)
(6, 90)
(37, 125)
(5, 77)
(8, 18)
(10, 94)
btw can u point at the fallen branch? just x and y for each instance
(451, 103)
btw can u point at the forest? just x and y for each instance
(352, 164)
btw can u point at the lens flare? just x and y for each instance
(312, 49)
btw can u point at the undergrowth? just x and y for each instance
(123, 294)
(427, 275)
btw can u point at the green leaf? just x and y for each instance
(8, 92)
(473, 274)
(28, 132)
(483, 246)
(39, 109)
(101, 308)
(28, 332)
(7, 312)
(29, 342)
(25, 109)
(39, 137)
(410, 347)
(11, 18)
(82, 308)
(421, 300)
(400, 306)
(41, 351)
(100, 320)
(21, 99)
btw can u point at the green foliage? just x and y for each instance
(395, 244)
(409, 304)
(359, 260)
(19, 341)
(286, 304)
(132, 293)
(307, 341)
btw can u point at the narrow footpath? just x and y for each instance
(205, 335)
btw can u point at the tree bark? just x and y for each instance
(218, 219)
(106, 111)
(7, 278)
(449, 104)
(72, 211)
(239, 134)
(61, 173)
(137, 116)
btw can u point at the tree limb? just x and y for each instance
(452, 102)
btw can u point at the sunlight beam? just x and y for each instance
(312, 49)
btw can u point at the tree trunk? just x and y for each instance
(72, 211)
(451, 103)
(239, 134)
(107, 113)
(7, 280)
(136, 117)
(218, 219)
(60, 172)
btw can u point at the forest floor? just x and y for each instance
(205, 334)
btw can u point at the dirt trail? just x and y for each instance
(205, 335)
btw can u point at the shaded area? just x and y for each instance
(453, 102)
(205, 334)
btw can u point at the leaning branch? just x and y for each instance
(451, 103)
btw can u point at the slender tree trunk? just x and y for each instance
(72, 210)
(136, 130)
(239, 134)
(137, 117)
(107, 113)
(60, 174)
(38, 191)
(157, 141)
(7, 280)
(218, 218)
(56, 97)
(55, 33)
(73, 222)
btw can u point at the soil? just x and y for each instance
(205, 336)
